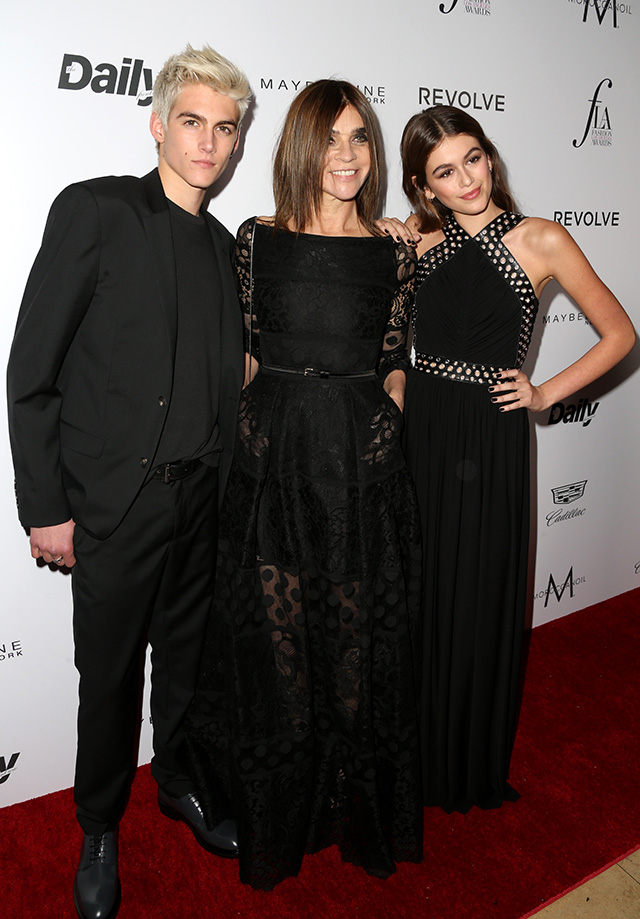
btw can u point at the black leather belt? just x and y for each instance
(169, 472)
(321, 374)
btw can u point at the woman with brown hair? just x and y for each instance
(480, 272)
(304, 726)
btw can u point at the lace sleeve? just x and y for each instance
(242, 267)
(394, 354)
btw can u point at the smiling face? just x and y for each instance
(458, 174)
(348, 160)
(195, 145)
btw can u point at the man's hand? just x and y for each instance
(54, 544)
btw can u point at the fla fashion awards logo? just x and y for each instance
(476, 7)
(6, 768)
(131, 78)
(598, 126)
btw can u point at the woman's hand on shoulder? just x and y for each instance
(402, 232)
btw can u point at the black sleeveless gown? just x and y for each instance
(304, 726)
(474, 314)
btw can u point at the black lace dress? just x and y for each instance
(304, 726)
(475, 310)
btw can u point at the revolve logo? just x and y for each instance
(602, 219)
(581, 413)
(7, 768)
(598, 120)
(463, 98)
(131, 79)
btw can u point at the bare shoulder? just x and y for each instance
(540, 236)
(429, 241)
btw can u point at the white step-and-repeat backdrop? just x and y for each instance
(555, 83)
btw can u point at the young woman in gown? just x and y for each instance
(481, 270)
(305, 724)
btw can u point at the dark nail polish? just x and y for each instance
(494, 399)
(491, 388)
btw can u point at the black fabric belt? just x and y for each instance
(169, 472)
(321, 374)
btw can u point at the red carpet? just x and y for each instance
(575, 764)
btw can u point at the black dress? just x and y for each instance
(474, 314)
(304, 726)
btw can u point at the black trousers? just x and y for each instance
(150, 581)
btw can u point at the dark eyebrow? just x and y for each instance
(450, 165)
(360, 130)
(197, 117)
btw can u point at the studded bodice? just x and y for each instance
(475, 307)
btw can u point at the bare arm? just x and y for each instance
(251, 367)
(394, 385)
(547, 251)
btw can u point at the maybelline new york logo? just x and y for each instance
(479, 7)
(131, 79)
(598, 10)
(598, 125)
(581, 413)
(564, 495)
(375, 94)
(557, 589)
(569, 316)
(10, 649)
(7, 768)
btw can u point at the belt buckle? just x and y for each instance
(312, 372)
(166, 478)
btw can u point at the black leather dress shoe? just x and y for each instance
(222, 840)
(96, 889)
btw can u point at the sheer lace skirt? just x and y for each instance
(304, 726)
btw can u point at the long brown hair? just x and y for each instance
(422, 134)
(301, 151)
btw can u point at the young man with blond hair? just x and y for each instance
(123, 385)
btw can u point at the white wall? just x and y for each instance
(528, 69)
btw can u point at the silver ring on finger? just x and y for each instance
(59, 560)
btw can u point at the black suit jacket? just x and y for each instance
(91, 368)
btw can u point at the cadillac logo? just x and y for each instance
(567, 494)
